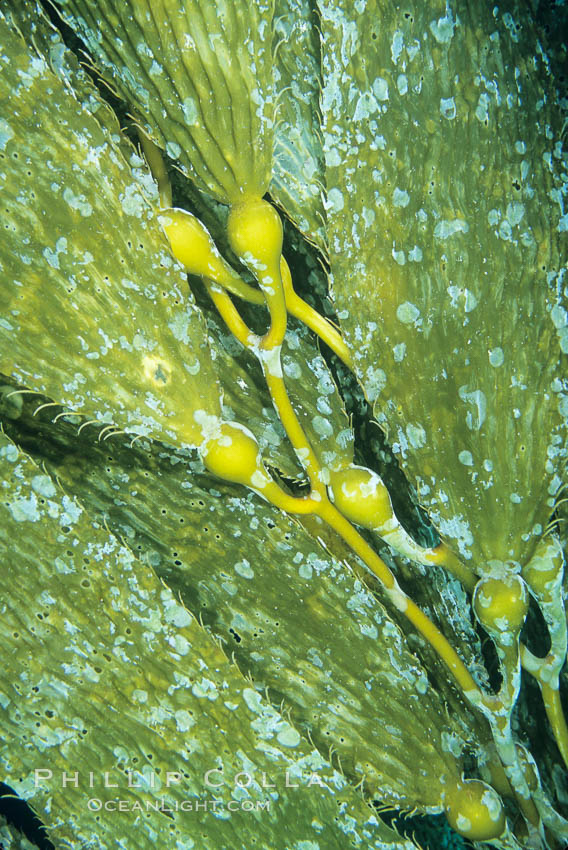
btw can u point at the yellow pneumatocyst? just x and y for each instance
(191, 244)
(232, 453)
(474, 809)
(541, 576)
(361, 496)
(254, 229)
(501, 604)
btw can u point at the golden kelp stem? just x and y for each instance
(402, 602)
(268, 350)
(555, 713)
(158, 168)
(542, 669)
(544, 575)
(301, 310)
(246, 232)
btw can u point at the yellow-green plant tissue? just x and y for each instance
(283, 425)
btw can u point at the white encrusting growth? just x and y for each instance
(259, 479)
(398, 597)
(270, 359)
(208, 423)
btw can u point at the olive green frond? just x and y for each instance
(82, 251)
(447, 256)
(199, 76)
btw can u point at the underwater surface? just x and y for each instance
(283, 402)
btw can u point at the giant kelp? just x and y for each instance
(460, 267)
(447, 278)
(184, 708)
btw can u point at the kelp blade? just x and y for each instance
(447, 248)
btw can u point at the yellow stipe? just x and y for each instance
(318, 502)
(323, 508)
(231, 316)
(277, 309)
(443, 556)
(343, 527)
(290, 504)
(157, 166)
(294, 430)
(238, 287)
(301, 310)
(411, 611)
(556, 718)
(444, 649)
(545, 671)
(271, 365)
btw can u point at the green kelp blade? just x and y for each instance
(95, 313)
(295, 618)
(31, 21)
(446, 182)
(105, 675)
(298, 172)
(198, 75)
